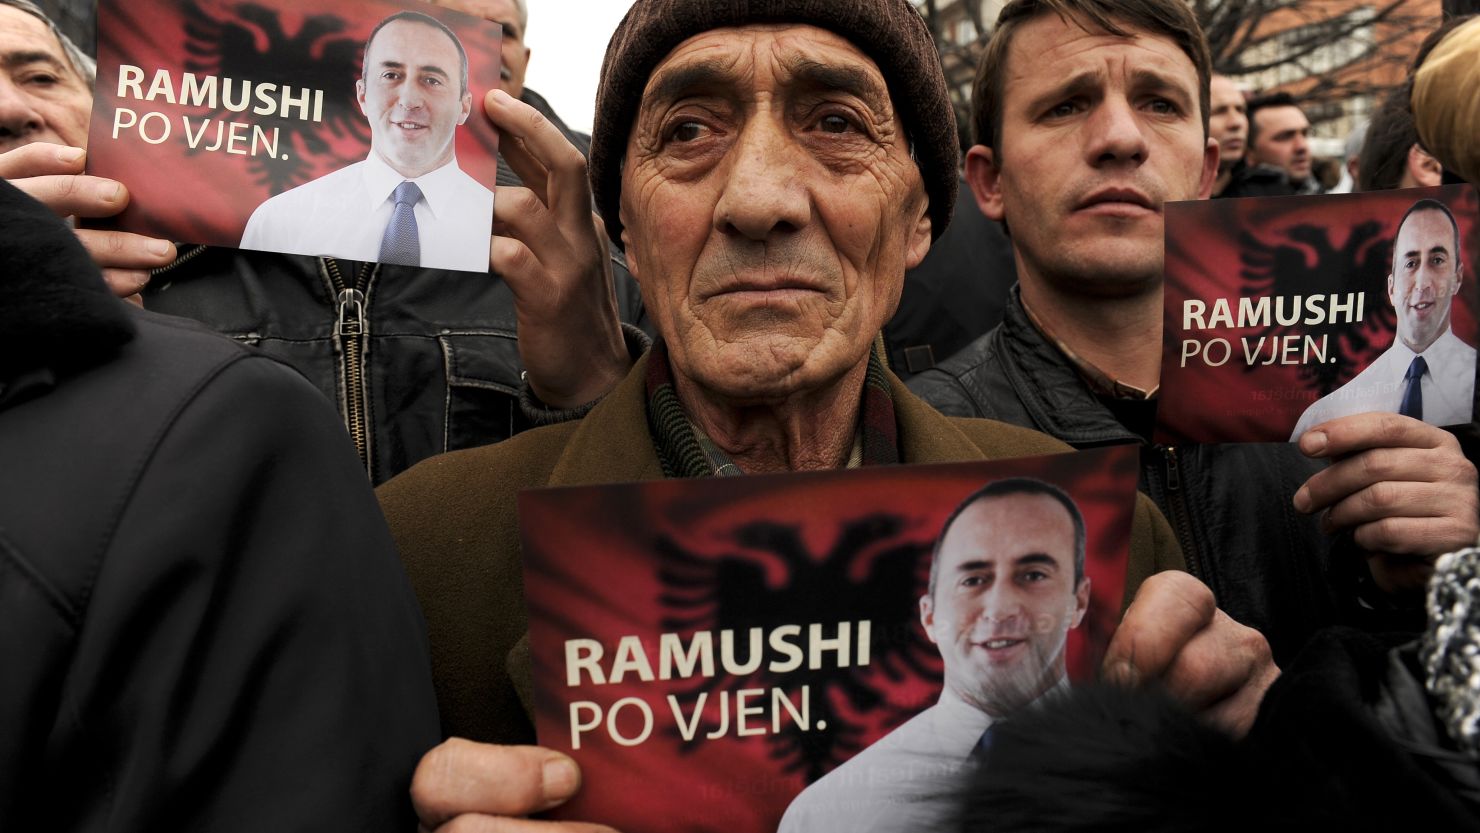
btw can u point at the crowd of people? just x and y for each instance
(204, 609)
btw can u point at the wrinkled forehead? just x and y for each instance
(743, 61)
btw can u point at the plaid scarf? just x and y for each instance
(685, 451)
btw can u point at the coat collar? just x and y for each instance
(57, 313)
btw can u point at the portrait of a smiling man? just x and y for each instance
(1007, 584)
(1428, 373)
(408, 202)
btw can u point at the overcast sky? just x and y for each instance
(567, 40)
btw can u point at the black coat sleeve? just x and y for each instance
(249, 655)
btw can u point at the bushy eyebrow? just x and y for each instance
(701, 76)
(1088, 82)
(853, 80)
(22, 57)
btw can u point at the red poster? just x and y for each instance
(733, 641)
(1284, 312)
(208, 109)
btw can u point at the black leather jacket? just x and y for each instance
(418, 361)
(1269, 566)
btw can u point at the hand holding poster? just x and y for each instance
(267, 126)
(733, 641)
(1282, 313)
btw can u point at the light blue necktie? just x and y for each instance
(401, 243)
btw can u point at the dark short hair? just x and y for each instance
(428, 20)
(1004, 488)
(1428, 204)
(1384, 155)
(1264, 102)
(1172, 19)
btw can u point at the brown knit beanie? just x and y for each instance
(1446, 106)
(890, 32)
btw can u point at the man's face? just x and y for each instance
(1098, 132)
(1227, 121)
(770, 209)
(513, 53)
(1283, 141)
(42, 99)
(1005, 599)
(1426, 275)
(411, 93)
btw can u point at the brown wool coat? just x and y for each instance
(455, 519)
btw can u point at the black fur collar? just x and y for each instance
(55, 310)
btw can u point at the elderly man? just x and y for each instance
(419, 361)
(1079, 352)
(772, 171)
(407, 202)
(1007, 584)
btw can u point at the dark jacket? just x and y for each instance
(203, 621)
(419, 361)
(1259, 181)
(1269, 566)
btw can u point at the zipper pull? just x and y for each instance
(1174, 474)
(351, 312)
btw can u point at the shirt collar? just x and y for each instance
(436, 186)
(1098, 380)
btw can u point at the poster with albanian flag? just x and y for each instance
(709, 650)
(1282, 313)
(253, 124)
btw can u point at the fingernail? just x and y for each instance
(1302, 500)
(561, 779)
(501, 97)
(69, 155)
(110, 191)
(1122, 672)
(159, 247)
(1314, 442)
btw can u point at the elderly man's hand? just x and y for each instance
(552, 251)
(1402, 486)
(53, 175)
(1173, 633)
(464, 786)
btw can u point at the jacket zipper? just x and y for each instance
(352, 330)
(190, 254)
(1181, 516)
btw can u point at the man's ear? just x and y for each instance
(1081, 602)
(1391, 301)
(927, 616)
(1209, 169)
(985, 178)
(919, 244)
(467, 107)
(1423, 168)
(360, 96)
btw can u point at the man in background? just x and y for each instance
(1228, 122)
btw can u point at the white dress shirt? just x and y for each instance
(912, 779)
(1448, 386)
(344, 214)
